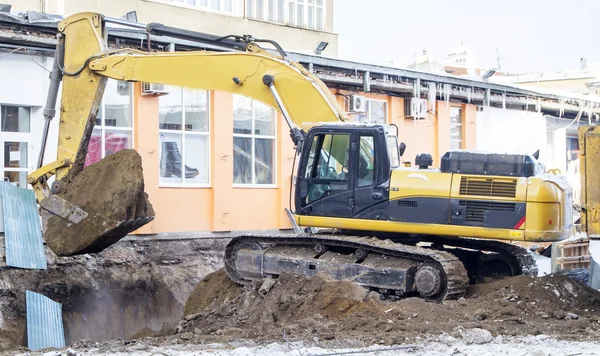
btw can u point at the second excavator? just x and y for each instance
(358, 214)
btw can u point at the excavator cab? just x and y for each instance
(344, 170)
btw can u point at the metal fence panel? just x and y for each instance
(22, 228)
(44, 322)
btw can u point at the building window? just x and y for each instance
(184, 126)
(254, 130)
(114, 122)
(15, 134)
(456, 128)
(299, 13)
(226, 6)
(375, 112)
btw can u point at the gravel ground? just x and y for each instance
(540, 345)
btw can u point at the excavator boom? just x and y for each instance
(73, 222)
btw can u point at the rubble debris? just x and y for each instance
(477, 336)
(298, 308)
(102, 300)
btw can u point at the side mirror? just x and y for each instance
(402, 148)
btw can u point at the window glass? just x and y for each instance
(169, 109)
(330, 152)
(114, 122)
(263, 162)
(366, 162)
(117, 104)
(15, 118)
(15, 154)
(280, 11)
(392, 146)
(260, 11)
(242, 160)
(115, 141)
(378, 111)
(250, 8)
(94, 153)
(253, 142)
(184, 128)
(271, 10)
(17, 178)
(171, 162)
(196, 110)
(333, 160)
(320, 22)
(456, 128)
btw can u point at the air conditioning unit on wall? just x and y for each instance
(415, 108)
(153, 89)
(358, 103)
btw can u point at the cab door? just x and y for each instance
(371, 189)
(325, 183)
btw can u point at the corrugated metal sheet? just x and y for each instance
(44, 322)
(22, 228)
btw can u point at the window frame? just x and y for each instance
(286, 13)
(183, 133)
(368, 111)
(183, 3)
(19, 137)
(461, 126)
(253, 136)
(102, 127)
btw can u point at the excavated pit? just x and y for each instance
(132, 286)
(111, 191)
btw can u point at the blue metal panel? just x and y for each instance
(22, 228)
(44, 322)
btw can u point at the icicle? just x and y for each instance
(504, 100)
(562, 106)
(447, 88)
(431, 95)
(469, 95)
(589, 111)
(538, 106)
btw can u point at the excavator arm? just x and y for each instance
(83, 63)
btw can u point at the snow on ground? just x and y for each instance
(541, 345)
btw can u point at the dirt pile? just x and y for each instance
(296, 308)
(111, 191)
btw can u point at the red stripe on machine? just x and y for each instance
(520, 223)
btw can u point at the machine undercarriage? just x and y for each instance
(435, 268)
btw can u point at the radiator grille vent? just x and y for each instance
(488, 187)
(475, 210)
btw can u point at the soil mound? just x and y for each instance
(296, 308)
(111, 191)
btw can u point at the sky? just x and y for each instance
(530, 35)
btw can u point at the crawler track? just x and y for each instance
(453, 276)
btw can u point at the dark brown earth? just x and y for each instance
(111, 191)
(130, 286)
(296, 308)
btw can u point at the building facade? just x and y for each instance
(215, 161)
(298, 25)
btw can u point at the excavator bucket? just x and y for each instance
(98, 206)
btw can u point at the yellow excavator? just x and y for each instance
(358, 214)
